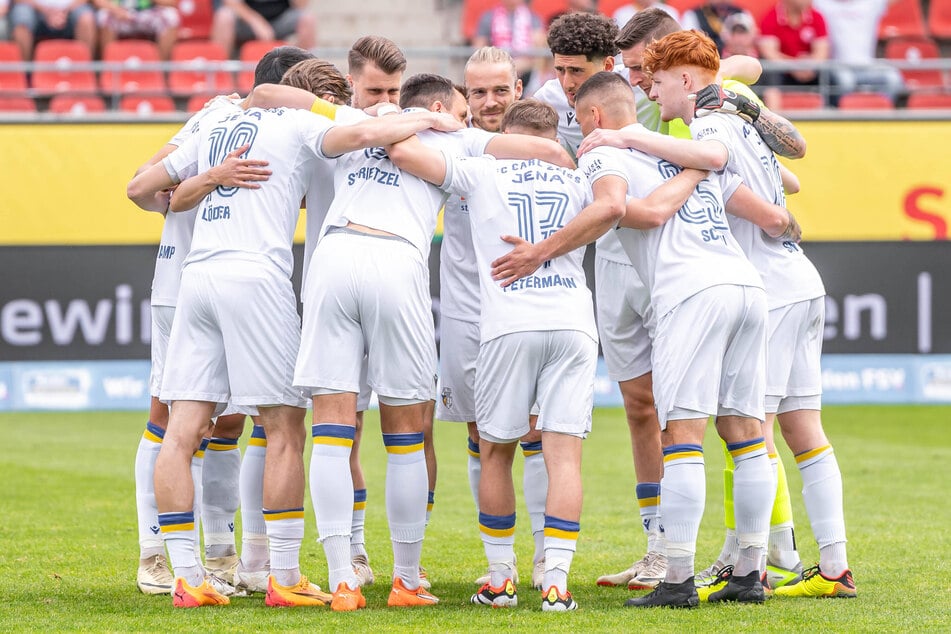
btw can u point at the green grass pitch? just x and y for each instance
(68, 546)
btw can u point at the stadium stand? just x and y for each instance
(472, 10)
(144, 106)
(800, 100)
(914, 50)
(197, 102)
(63, 78)
(251, 51)
(903, 19)
(939, 19)
(929, 101)
(189, 81)
(12, 82)
(196, 19)
(131, 78)
(17, 104)
(865, 101)
(548, 9)
(76, 105)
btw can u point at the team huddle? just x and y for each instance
(705, 305)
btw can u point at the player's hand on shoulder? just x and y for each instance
(445, 122)
(599, 138)
(517, 263)
(714, 98)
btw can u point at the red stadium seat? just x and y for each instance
(685, 5)
(915, 50)
(76, 105)
(131, 54)
(64, 78)
(608, 7)
(904, 18)
(800, 100)
(196, 19)
(12, 82)
(929, 101)
(145, 106)
(183, 83)
(865, 101)
(17, 104)
(548, 9)
(939, 19)
(251, 52)
(472, 10)
(197, 102)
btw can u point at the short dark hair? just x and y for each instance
(601, 82)
(383, 52)
(278, 61)
(424, 89)
(532, 114)
(645, 27)
(588, 34)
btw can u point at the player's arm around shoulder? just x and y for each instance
(413, 156)
(383, 131)
(525, 146)
(662, 203)
(775, 221)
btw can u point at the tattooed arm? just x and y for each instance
(780, 134)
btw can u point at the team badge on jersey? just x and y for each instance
(447, 397)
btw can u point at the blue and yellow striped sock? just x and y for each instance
(682, 496)
(648, 504)
(331, 490)
(254, 550)
(150, 539)
(430, 501)
(178, 532)
(498, 540)
(220, 497)
(407, 486)
(285, 533)
(358, 524)
(822, 493)
(561, 541)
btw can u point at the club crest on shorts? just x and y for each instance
(447, 397)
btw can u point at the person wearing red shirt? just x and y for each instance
(793, 30)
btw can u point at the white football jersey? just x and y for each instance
(694, 249)
(787, 273)
(252, 224)
(458, 272)
(531, 199)
(569, 132)
(370, 190)
(177, 231)
(320, 190)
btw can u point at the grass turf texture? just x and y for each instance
(68, 545)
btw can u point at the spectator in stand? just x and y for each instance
(709, 18)
(739, 35)
(853, 34)
(511, 26)
(237, 21)
(626, 11)
(45, 19)
(793, 30)
(151, 19)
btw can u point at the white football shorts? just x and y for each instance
(371, 297)
(793, 352)
(710, 354)
(458, 351)
(622, 302)
(235, 336)
(555, 368)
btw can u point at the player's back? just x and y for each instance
(694, 249)
(531, 199)
(256, 223)
(370, 190)
(787, 274)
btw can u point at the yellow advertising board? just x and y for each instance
(65, 183)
